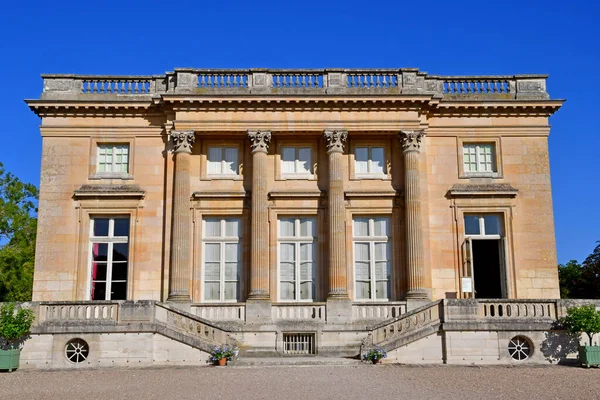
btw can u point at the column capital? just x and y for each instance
(259, 141)
(182, 141)
(335, 141)
(411, 140)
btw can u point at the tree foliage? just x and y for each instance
(583, 319)
(581, 281)
(18, 225)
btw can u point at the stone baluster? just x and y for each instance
(411, 144)
(180, 272)
(337, 226)
(259, 247)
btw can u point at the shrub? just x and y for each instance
(224, 351)
(583, 319)
(375, 354)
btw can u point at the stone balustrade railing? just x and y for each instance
(69, 312)
(289, 82)
(517, 309)
(377, 311)
(220, 312)
(296, 312)
(182, 321)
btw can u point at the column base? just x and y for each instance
(180, 305)
(339, 309)
(179, 298)
(258, 311)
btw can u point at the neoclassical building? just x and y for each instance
(257, 196)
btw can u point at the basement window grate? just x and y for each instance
(299, 343)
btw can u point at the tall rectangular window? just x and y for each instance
(297, 259)
(113, 158)
(221, 241)
(479, 157)
(372, 258)
(296, 161)
(369, 160)
(109, 242)
(222, 161)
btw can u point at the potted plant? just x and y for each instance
(15, 325)
(221, 354)
(375, 355)
(585, 319)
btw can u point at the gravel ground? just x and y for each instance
(310, 382)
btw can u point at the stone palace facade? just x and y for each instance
(250, 198)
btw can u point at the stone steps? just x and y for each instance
(292, 361)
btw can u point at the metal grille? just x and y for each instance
(299, 343)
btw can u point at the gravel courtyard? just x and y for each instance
(314, 382)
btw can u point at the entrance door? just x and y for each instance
(485, 256)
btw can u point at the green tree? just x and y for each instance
(583, 319)
(569, 277)
(18, 225)
(590, 275)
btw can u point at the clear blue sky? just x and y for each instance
(441, 37)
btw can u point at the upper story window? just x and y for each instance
(222, 161)
(369, 161)
(109, 240)
(113, 159)
(296, 161)
(479, 158)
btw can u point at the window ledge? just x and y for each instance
(110, 176)
(210, 195)
(109, 191)
(467, 175)
(223, 178)
(306, 177)
(482, 190)
(381, 177)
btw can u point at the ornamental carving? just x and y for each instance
(183, 141)
(411, 140)
(259, 140)
(335, 140)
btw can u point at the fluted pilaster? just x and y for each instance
(180, 272)
(338, 287)
(411, 144)
(259, 252)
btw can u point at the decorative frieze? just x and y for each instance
(335, 141)
(259, 141)
(183, 141)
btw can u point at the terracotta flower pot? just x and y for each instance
(223, 362)
(377, 361)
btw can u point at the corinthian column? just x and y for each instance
(259, 246)
(411, 144)
(337, 226)
(180, 273)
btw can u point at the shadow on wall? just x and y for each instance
(560, 347)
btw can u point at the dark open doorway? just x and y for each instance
(487, 269)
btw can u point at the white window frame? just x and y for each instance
(297, 162)
(113, 147)
(223, 162)
(482, 233)
(480, 165)
(296, 241)
(370, 172)
(110, 240)
(222, 240)
(371, 240)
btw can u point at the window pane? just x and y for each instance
(306, 289)
(363, 290)
(287, 272)
(361, 158)
(382, 226)
(377, 160)
(118, 291)
(471, 225)
(98, 290)
(231, 290)
(121, 227)
(214, 158)
(469, 158)
(212, 227)
(119, 271)
(305, 161)
(287, 252)
(491, 224)
(382, 270)
(231, 163)
(306, 251)
(306, 271)
(381, 252)
(100, 251)
(100, 226)
(98, 271)
(232, 227)
(288, 160)
(286, 227)
(382, 289)
(307, 227)
(361, 227)
(363, 272)
(287, 291)
(212, 271)
(212, 252)
(120, 251)
(211, 291)
(231, 252)
(231, 271)
(361, 251)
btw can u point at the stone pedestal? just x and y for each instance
(411, 144)
(338, 280)
(180, 271)
(258, 306)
